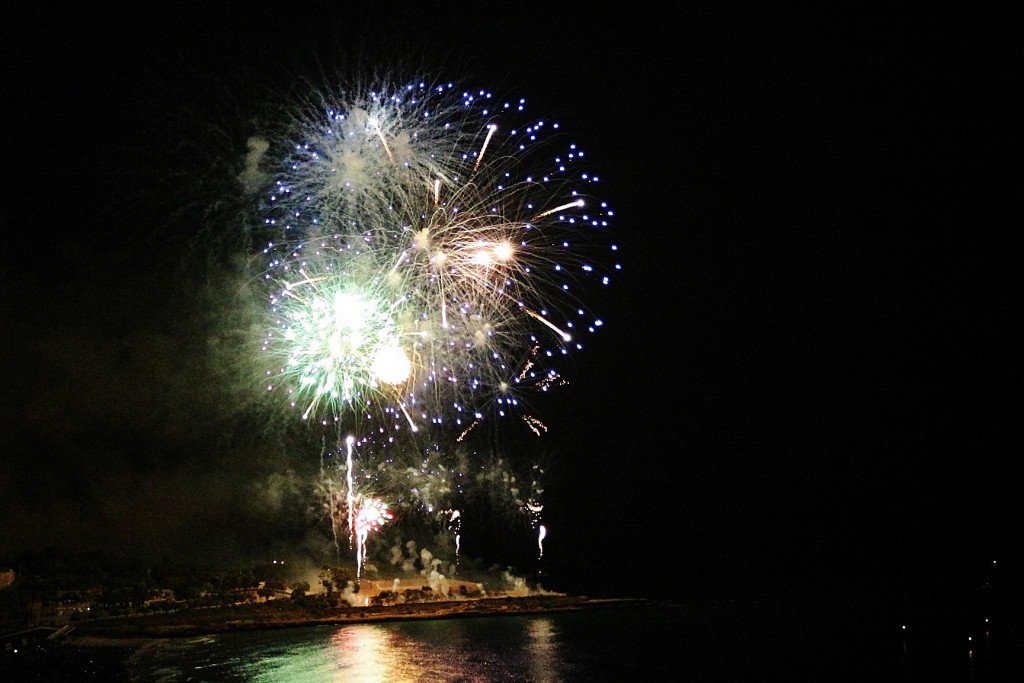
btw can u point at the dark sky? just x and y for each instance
(811, 360)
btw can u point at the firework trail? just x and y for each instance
(455, 526)
(425, 254)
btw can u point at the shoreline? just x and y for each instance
(137, 631)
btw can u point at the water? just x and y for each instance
(724, 643)
(595, 645)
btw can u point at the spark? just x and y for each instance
(468, 429)
(487, 141)
(563, 334)
(534, 424)
(577, 203)
(383, 141)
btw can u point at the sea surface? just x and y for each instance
(765, 641)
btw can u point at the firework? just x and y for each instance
(371, 515)
(337, 340)
(413, 223)
(425, 254)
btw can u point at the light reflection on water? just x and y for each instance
(750, 642)
(365, 653)
(478, 649)
(543, 648)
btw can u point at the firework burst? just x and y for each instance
(425, 253)
(370, 515)
(462, 236)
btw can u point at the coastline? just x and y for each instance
(100, 650)
(137, 631)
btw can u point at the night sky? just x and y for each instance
(810, 370)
